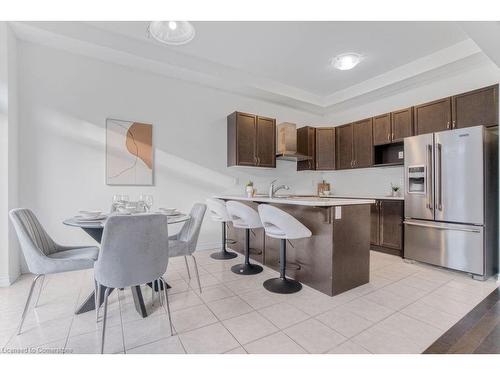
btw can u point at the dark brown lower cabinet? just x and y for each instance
(387, 226)
(375, 224)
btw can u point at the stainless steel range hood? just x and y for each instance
(287, 143)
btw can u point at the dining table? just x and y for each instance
(95, 228)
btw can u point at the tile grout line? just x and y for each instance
(118, 293)
(73, 317)
(240, 295)
(395, 312)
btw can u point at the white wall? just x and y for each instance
(9, 260)
(64, 101)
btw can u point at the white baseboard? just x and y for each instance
(7, 280)
(207, 246)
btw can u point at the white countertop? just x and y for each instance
(300, 201)
(378, 197)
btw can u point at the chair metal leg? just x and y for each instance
(168, 304)
(97, 293)
(160, 294)
(42, 279)
(26, 306)
(153, 293)
(105, 315)
(196, 271)
(187, 267)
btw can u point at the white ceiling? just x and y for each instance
(298, 53)
(284, 62)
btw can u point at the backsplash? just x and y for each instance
(369, 181)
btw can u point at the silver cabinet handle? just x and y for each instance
(440, 173)
(430, 204)
(441, 228)
(448, 125)
(453, 124)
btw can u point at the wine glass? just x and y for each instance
(147, 199)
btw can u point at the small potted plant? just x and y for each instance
(249, 189)
(395, 190)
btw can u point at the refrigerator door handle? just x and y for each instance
(440, 227)
(430, 204)
(439, 181)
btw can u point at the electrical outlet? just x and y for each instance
(401, 154)
(338, 212)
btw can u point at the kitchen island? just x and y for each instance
(336, 258)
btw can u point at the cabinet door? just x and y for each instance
(363, 143)
(325, 148)
(433, 117)
(266, 142)
(375, 224)
(401, 124)
(391, 229)
(306, 145)
(344, 146)
(246, 139)
(382, 129)
(478, 107)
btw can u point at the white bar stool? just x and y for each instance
(246, 218)
(279, 224)
(218, 212)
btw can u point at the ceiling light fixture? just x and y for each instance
(346, 61)
(174, 33)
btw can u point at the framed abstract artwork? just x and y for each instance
(129, 153)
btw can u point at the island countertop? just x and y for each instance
(299, 201)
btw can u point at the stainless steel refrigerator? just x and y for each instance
(451, 200)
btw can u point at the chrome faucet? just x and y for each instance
(273, 189)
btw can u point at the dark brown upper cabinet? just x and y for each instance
(382, 129)
(325, 148)
(344, 145)
(251, 140)
(363, 142)
(355, 145)
(478, 107)
(433, 117)
(401, 124)
(306, 145)
(266, 142)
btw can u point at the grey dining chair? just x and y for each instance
(134, 251)
(184, 243)
(43, 255)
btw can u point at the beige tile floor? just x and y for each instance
(403, 309)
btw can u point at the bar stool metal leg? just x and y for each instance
(247, 268)
(223, 254)
(281, 284)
